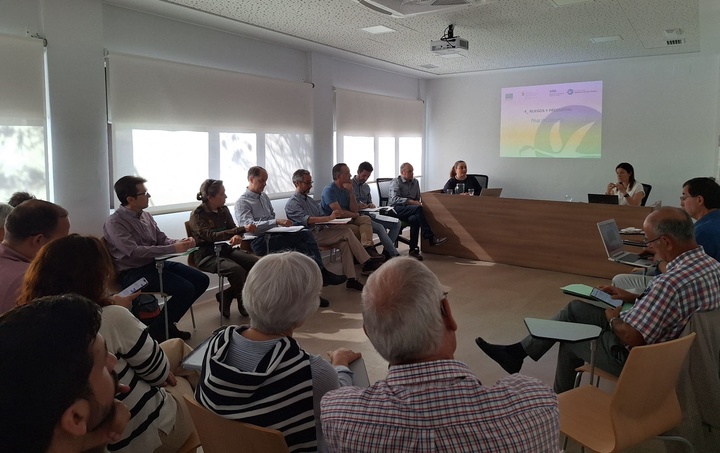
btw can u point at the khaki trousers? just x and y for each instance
(343, 238)
(362, 228)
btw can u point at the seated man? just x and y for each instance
(27, 228)
(254, 208)
(303, 210)
(701, 200)
(690, 284)
(429, 401)
(339, 196)
(364, 200)
(259, 374)
(57, 379)
(405, 199)
(134, 241)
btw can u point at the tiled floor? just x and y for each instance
(487, 299)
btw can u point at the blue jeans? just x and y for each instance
(302, 242)
(413, 214)
(182, 282)
(387, 239)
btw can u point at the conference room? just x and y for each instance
(177, 95)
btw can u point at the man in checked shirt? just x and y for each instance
(430, 401)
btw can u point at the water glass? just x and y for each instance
(471, 192)
(449, 191)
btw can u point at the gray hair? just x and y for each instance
(402, 311)
(282, 290)
(299, 175)
(676, 223)
(4, 211)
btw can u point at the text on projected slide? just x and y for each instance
(559, 120)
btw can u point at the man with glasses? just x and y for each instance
(701, 200)
(405, 199)
(691, 283)
(134, 241)
(430, 401)
(303, 210)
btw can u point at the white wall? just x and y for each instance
(659, 114)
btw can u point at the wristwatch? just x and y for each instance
(610, 322)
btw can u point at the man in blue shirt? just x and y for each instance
(405, 199)
(339, 196)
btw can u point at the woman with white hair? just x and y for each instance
(258, 374)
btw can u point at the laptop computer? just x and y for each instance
(610, 236)
(602, 198)
(491, 192)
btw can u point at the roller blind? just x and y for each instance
(22, 71)
(151, 92)
(364, 114)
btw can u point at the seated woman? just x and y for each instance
(212, 222)
(629, 191)
(258, 374)
(159, 420)
(458, 175)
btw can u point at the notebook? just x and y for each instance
(614, 248)
(602, 198)
(491, 192)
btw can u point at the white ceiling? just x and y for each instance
(501, 33)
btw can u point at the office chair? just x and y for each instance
(481, 179)
(646, 188)
(383, 186)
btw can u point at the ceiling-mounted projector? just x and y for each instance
(450, 46)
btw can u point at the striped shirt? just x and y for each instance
(691, 283)
(441, 406)
(143, 366)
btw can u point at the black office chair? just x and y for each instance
(383, 186)
(646, 188)
(481, 179)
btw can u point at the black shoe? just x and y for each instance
(354, 284)
(502, 355)
(330, 279)
(374, 255)
(437, 241)
(226, 302)
(370, 266)
(415, 253)
(324, 303)
(241, 307)
(177, 333)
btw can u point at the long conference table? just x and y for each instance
(551, 235)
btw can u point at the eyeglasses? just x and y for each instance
(646, 242)
(307, 183)
(685, 197)
(442, 306)
(146, 193)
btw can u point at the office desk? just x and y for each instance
(550, 235)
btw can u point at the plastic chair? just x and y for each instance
(481, 179)
(646, 188)
(383, 186)
(222, 435)
(643, 406)
(191, 262)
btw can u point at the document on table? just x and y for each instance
(336, 221)
(290, 229)
(173, 255)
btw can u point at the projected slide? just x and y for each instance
(559, 120)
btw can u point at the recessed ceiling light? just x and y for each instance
(606, 39)
(559, 3)
(376, 30)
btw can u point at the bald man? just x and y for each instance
(658, 315)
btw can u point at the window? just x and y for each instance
(23, 156)
(381, 130)
(177, 125)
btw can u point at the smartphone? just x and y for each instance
(605, 297)
(135, 287)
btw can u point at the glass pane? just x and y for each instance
(166, 158)
(238, 152)
(285, 153)
(357, 150)
(388, 168)
(22, 161)
(411, 151)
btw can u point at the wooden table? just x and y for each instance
(552, 235)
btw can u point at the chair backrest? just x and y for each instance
(481, 179)
(190, 258)
(221, 435)
(383, 186)
(646, 188)
(645, 401)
